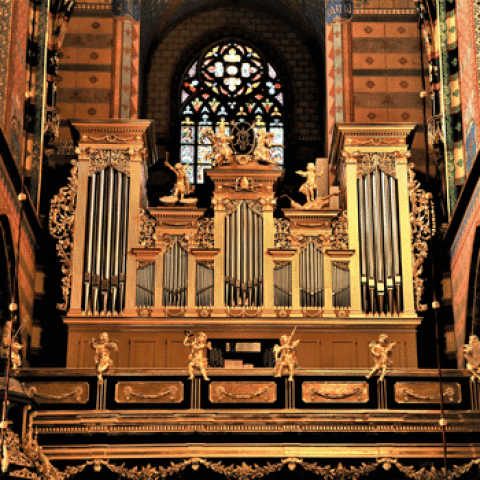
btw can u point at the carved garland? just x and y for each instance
(147, 230)
(369, 162)
(61, 225)
(101, 159)
(205, 237)
(340, 232)
(282, 233)
(422, 220)
(246, 471)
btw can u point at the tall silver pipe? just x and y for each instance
(123, 249)
(363, 242)
(379, 227)
(369, 239)
(99, 242)
(387, 234)
(91, 234)
(396, 243)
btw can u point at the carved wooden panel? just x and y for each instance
(149, 392)
(335, 392)
(427, 392)
(58, 392)
(243, 392)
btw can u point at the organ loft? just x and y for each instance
(339, 267)
(242, 323)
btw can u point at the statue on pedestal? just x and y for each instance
(285, 355)
(381, 350)
(197, 358)
(221, 152)
(471, 352)
(182, 185)
(103, 348)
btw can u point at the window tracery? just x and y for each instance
(230, 81)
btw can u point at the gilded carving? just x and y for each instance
(422, 220)
(149, 392)
(221, 151)
(59, 392)
(427, 392)
(197, 358)
(182, 185)
(471, 352)
(61, 225)
(368, 162)
(246, 471)
(147, 230)
(103, 348)
(282, 233)
(285, 355)
(381, 351)
(205, 237)
(112, 138)
(339, 238)
(101, 159)
(335, 392)
(243, 392)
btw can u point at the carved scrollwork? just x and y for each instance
(222, 392)
(340, 232)
(367, 163)
(282, 233)
(101, 159)
(147, 230)
(246, 471)
(130, 395)
(60, 225)
(334, 396)
(76, 394)
(408, 393)
(205, 237)
(422, 220)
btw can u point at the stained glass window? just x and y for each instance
(229, 81)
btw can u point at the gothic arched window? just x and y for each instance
(229, 81)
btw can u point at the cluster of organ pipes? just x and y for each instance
(175, 275)
(145, 284)
(204, 287)
(340, 284)
(106, 242)
(380, 259)
(244, 256)
(282, 283)
(311, 277)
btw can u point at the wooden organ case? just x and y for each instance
(244, 273)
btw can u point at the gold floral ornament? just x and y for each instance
(61, 225)
(197, 358)
(147, 230)
(285, 355)
(381, 350)
(471, 352)
(422, 220)
(103, 348)
(339, 237)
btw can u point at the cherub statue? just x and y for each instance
(182, 186)
(262, 152)
(309, 187)
(103, 348)
(471, 352)
(381, 351)
(285, 355)
(197, 358)
(222, 152)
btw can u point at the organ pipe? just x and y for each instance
(106, 238)
(379, 243)
(175, 276)
(311, 277)
(243, 256)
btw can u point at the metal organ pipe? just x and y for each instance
(379, 243)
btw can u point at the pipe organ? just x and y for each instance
(106, 233)
(175, 274)
(244, 255)
(379, 234)
(311, 276)
(247, 271)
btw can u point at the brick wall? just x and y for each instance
(307, 89)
